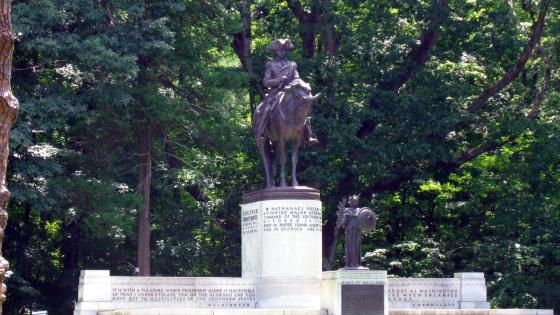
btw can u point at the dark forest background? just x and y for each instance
(443, 115)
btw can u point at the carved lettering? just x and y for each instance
(424, 296)
(292, 218)
(200, 297)
(250, 221)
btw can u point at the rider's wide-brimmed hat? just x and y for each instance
(281, 44)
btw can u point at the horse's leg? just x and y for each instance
(296, 143)
(263, 146)
(281, 147)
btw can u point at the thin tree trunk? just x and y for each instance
(242, 47)
(144, 178)
(330, 37)
(71, 246)
(308, 24)
(330, 40)
(9, 107)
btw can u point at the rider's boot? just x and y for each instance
(311, 138)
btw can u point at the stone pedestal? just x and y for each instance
(355, 292)
(281, 246)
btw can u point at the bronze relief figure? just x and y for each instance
(282, 117)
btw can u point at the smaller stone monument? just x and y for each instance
(354, 289)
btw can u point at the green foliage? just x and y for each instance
(88, 82)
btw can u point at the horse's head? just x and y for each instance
(308, 101)
(312, 98)
(297, 104)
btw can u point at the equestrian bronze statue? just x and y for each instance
(282, 117)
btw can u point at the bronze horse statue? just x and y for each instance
(282, 116)
(286, 123)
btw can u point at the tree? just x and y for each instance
(9, 107)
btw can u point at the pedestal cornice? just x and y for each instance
(282, 193)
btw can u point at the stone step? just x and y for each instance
(252, 311)
(323, 312)
(503, 311)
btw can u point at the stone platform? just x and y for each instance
(504, 311)
(261, 311)
(323, 312)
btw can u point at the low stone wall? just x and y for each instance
(323, 312)
(463, 291)
(262, 311)
(473, 312)
(98, 291)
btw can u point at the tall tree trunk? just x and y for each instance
(330, 40)
(330, 37)
(145, 179)
(9, 107)
(71, 245)
(242, 47)
(68, 282)
(308, 25)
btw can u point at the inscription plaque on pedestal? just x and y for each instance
(362, 299)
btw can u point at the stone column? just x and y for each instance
(94, 292)
(281, 246)
(473, 290)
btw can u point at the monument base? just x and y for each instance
(281, 246)
(101, 294)
(284, 293)
(324, 312)
(217, 312)
(503, 311)
(361, 292)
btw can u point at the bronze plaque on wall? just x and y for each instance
(362, 299)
